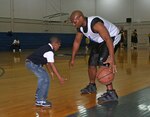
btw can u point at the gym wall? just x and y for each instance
(27, 16)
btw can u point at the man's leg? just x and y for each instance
(110, 94)
(92, 69)
(92, 73)
(91, 87)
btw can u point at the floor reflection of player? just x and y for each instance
(107, 109)
(16, 57)
(110, 107)
(134, 56)
(43, 112)
(122, 57)
(129, 70)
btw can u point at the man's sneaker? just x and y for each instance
(91, 88)
(43, 103)
(110, 95)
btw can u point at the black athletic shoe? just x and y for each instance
(110, 95)
(91, 88)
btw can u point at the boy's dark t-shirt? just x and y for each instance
(37, 57)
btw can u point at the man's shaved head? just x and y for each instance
(76, 13)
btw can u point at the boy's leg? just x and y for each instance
(34, 68)
(43, 91)
(46, 83)
(43, 83)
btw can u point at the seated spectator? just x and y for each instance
(16, 45)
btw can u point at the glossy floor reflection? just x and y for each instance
(17, 87)
(133, 105)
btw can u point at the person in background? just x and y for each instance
(122, 37)
(35, 62)
(16, 45)
(134, 39)
(105, 38)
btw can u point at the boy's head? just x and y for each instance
(55, 42)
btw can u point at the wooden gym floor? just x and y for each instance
(132, 82)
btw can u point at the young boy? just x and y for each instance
(34, 62)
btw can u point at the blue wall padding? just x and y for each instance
(34, 40)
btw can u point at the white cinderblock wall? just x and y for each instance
(27, 15)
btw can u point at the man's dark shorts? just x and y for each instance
(99, 53)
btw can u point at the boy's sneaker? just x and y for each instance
(91, 88)
(43, 103)
(110, 95)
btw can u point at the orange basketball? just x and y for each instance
(105, 75)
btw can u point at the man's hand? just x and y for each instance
(71, 63)
(111, 64)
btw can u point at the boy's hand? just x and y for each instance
(62, 80)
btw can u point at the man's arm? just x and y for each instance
(76, 45)
(103, 32)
